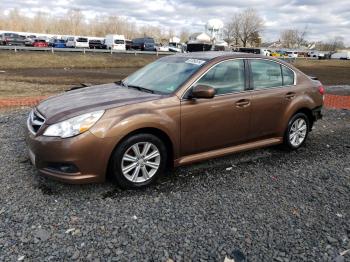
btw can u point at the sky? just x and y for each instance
(324, 19)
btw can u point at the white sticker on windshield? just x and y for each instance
(195, 61)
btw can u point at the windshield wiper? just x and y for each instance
(140, 88)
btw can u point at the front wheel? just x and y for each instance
(138, 161)
(297, 131)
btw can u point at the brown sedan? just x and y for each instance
(177, 110)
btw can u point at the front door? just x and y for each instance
(222, 121)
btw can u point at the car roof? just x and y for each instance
(209, 55)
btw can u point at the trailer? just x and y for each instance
(341, 55)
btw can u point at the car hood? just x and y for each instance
(76, 102)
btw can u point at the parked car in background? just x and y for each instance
(162, 48)
(144, 44)
(176, 47)
(12, 39)
(292, 54)
(175, 111)
(29, 40)
(51, 41)
(59, 43)
(96, 44)
(77, 42)
(40, 43)
(275, 54)
(257, 51)
(128, 44)
(115, 42)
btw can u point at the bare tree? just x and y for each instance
(293, 38)
(184, 35)
(244, 27)
(75, 19)
(332, 45)
(255, 39)
(40, 23)
(250, 23)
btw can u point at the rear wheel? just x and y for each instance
(297, 131)
(138, 161)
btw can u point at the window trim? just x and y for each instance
(251, 84)
(246, 76)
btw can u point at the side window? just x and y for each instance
(265, 74)
(288, 76)
(226, 77)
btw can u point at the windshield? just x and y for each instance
(165, 75)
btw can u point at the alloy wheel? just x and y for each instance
(140, 162)
(297, 132)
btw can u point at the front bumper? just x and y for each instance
(88, 154)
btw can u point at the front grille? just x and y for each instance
(35, 121)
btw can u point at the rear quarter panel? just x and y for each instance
(307, 97)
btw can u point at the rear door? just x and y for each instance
(270, 96)
(222, 121)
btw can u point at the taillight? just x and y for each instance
(321, 90)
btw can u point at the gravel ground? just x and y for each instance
(264, 205)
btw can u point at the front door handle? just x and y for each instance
(243, 103)
(290, 95)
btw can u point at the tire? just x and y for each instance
(297, 131)
(132, 170)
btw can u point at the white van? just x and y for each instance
(292, 54)
(115, 42)
(77, 42)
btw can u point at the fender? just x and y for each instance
(119, 122)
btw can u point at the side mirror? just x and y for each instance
(202, 91)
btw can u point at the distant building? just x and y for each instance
(200, 37)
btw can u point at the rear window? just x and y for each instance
(119, 42)
(82, 40)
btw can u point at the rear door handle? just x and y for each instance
(243, 103)
(290, 95)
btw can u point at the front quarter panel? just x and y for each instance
(162, 114)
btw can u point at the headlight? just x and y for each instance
(74, 126)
